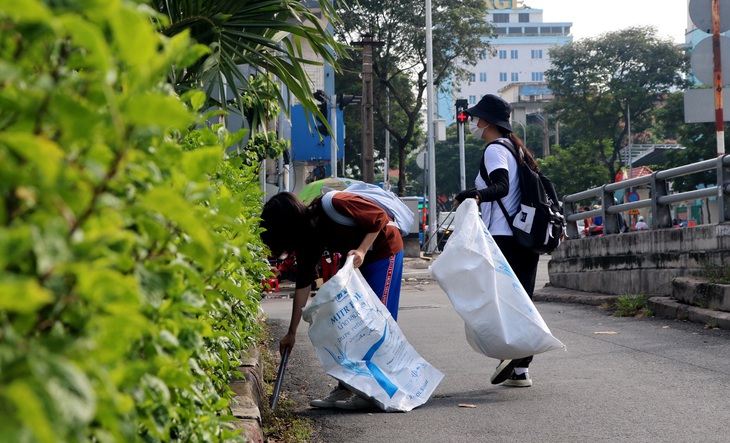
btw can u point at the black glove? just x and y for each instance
(463, 195)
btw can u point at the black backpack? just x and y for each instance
(539, 224)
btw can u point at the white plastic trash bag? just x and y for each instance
(360, 344)
(500, 319)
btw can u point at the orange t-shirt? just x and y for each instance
(334, 237)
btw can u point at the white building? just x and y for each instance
(520, 54)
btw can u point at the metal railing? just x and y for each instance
(660, 200)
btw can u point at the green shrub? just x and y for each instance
(130, 263)
(632, 306)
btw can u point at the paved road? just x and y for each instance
(620, 380)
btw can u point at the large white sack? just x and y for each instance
(499, 318)
(358, 343)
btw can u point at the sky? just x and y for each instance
(591, 17)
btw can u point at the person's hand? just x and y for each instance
(359, 256)
(286, 344)
(463, 195)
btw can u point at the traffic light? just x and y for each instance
(323, 107)
(461, 116)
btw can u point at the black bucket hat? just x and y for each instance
(494, 110)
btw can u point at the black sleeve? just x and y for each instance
(499, 188)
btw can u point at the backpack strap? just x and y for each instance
(332, 213)
(485, 176)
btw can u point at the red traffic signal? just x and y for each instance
(462, 117)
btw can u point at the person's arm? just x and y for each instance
(499, 188)
(301, 295)
(360, 252)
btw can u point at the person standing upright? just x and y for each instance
(489, 121)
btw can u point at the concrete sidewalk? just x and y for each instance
(417, 279)
(620, 380)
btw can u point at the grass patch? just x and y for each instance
(632, 306)
(719, 275)
(283, 424)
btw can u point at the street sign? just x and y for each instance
(703, 64)
(633, 197)
(634, 212)
(699, 105)
(700, 11)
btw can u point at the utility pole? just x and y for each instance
(368, 126)
(430, 104)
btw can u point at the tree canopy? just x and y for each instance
(600, 83)
(264, 36)
(400, 65)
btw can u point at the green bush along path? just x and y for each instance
(130, 264)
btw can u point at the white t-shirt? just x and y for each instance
(497, 156)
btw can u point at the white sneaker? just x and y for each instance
(354, 402)
(518, 381)
(336, 395)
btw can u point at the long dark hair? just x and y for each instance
(286, 220)
(525, 154)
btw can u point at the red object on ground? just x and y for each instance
(329, 264)
(271, 284)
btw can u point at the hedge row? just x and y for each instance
(130, 263)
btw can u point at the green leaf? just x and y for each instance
(29, 410)
(109, 290)
(200, 162)
(22, 294)
(91, 38)
(70, 389)
(25, 11)
(178, 210)
(196, 99)
(43, 154)
(136, 40)
(153, 110)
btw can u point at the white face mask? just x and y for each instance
(475, 130)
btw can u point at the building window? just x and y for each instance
(524, 18)
(503, 76)
(515, 77)
(503, 54)
(482, 76)
(500, 18)
(530, 30)
(514, 31)
(472, 78)
(537, 76)
(472, 99)
(483, 54)
(513, 54)
(536, 53)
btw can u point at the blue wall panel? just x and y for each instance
(306, 145)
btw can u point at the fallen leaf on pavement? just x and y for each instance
(467, 405)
